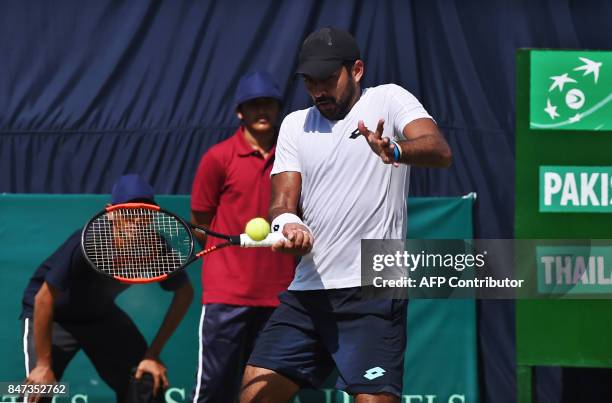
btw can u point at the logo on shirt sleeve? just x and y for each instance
(355, 134)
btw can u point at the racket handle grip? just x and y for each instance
(271, 239)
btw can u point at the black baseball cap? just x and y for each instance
(324, 51)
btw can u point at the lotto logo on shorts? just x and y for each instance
(374, 373)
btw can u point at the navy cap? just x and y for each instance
(324, 51)
(131, 187)
(258, 84)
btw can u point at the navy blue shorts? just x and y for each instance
(313, 332)
(227, 337)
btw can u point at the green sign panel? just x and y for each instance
(574, 269)
(571, 90)
(578, 189)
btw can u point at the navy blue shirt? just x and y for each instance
(84, 294)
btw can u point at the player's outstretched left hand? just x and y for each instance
(298, 240)
(157, 370)
(381, 146)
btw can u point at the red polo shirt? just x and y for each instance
(233, 183)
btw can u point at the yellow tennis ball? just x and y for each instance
(257, 229)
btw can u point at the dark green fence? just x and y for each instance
(441, 356)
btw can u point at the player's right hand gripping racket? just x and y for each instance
(142, 243)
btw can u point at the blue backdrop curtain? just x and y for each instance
(93, 89)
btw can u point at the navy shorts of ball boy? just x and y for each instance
(312, 332)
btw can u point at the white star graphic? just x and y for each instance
(589, 67)
(551, 110)
(575, 118)
(559, 81)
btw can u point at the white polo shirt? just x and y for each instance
(348, 193)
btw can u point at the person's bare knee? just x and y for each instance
(261, 385)
(376, 398)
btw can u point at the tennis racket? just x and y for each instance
(142, 243)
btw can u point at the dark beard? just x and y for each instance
(343, 106)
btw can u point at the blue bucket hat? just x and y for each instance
(259, 84)
(131, 187)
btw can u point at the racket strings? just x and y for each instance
(137, 243)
